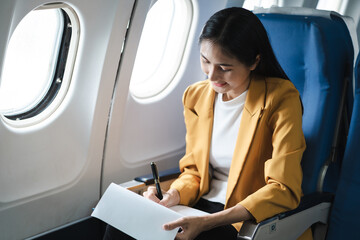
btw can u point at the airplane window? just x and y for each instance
(334, 5)
(161, 47)
(252, 4)
(34, 63)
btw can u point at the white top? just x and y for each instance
(227, 116)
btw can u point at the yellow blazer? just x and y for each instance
(265, 174)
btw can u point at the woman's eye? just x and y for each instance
(225, 70)
(204, 60)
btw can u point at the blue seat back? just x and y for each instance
(346, 207)
(316, 52)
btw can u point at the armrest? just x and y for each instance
(140, 184)
(313, 208)
(164, 176)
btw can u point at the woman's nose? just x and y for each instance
(212, 74)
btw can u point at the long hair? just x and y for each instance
(239, 33)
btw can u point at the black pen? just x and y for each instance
(156, 180)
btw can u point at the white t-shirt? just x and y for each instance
(227, 116)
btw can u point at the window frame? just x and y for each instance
(57, 76)
(329, 6)
(62, 73)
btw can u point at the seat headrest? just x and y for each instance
(311, 12)
(296, 11)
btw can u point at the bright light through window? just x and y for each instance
(252, 4)
(333, 5)
(161, 47)
(30, 60)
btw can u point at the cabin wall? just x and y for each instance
(50, 171)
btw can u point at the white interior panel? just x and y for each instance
(50, 172)
(6, 12)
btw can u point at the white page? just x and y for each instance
(137, 216)
(187, 211)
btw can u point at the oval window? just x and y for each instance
(35, 62)
(161, 47)
(251, 4)
(334, 5)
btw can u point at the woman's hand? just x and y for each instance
(193, 226)
(190, 226)
(170, 198)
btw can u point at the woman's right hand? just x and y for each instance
(170, 198)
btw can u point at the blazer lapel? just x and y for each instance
(205, 110)
(253, 110)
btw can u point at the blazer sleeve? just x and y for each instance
(283, 172)
(188, 183)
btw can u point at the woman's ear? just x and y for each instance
(257, 60)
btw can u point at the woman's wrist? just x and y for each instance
(208, 222)
(175, 196)
(228, 216)
(170, 198)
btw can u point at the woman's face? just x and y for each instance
(226, 74)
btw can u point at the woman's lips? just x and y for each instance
(219, 84)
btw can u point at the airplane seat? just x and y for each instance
(346, 209)
(307, 47)
(306, 43)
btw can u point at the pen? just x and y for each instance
(156, 180)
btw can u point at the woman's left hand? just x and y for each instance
(190, 226)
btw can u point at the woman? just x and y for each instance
(244, 140)
(243, 128)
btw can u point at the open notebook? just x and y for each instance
(137, 216)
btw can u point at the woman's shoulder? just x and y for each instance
(280, 86)
(281, 92)
(199, 88)
(198, 92)
(280, 82)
